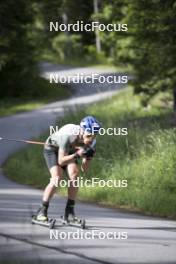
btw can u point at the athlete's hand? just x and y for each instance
(85, 165)
(80, 151)
(89, 153)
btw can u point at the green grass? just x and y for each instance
(46, 93)
(145, 157)
(84, 61)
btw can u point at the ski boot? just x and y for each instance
(42, 219)
(70, 219)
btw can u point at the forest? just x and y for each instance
(145, 43)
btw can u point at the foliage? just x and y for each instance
(17, 57)
(154, 44)
(45, 93)
(148, 47)
(67, 46)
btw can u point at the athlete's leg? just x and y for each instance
(56, 175)
(73, 174)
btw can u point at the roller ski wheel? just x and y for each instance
(74, 221)
(48, 223)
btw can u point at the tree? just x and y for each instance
(149, 46)
(17, 47)
(154, 45)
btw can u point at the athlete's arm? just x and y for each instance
(88, 155)
(64, 158)
(85, 165)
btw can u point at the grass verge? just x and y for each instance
(85, 61)
(145, 157)
(47, 93)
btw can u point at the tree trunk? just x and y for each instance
(97, 35)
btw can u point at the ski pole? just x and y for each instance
(23, 141)
(30, 142)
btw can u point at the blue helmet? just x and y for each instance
(90, 124)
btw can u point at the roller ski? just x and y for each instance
(42, 219)
(69, 218)
(72, 220)
(50, 222)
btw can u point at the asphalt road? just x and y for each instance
(139, 239)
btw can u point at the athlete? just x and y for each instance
(61, 151)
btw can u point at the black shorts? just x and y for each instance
(51, 157)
